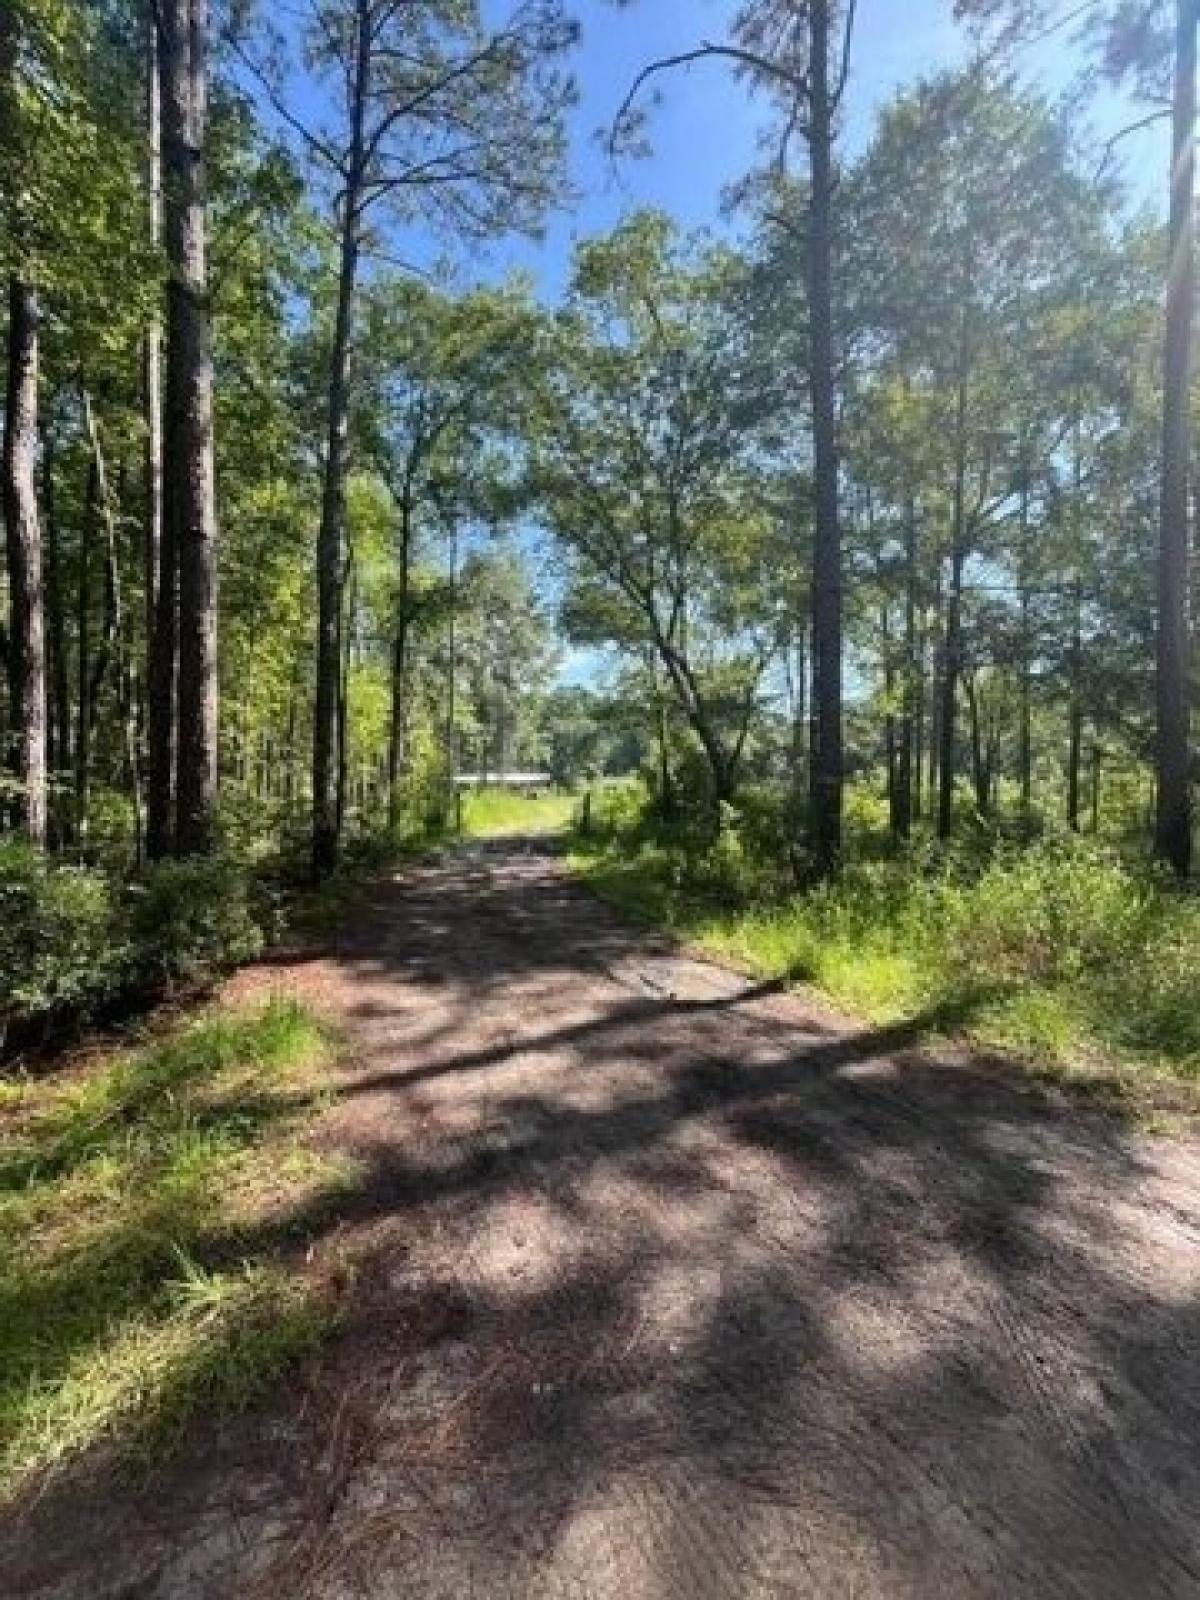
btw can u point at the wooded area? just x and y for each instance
(418, 545)
(881, 498)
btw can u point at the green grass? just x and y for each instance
(490, 812)
(1061, 955)
(136, 1195)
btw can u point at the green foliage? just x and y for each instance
(73, 938)
(132, 1292)
(191, 919)
(60, 944)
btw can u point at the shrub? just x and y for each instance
(1048, 913)
(59, 942)
(194, 918)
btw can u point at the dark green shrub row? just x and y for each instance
(73, 939)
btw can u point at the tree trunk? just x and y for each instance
(799, 750)
(1025, 736)
(1075, 728)
(952, 648)
(1173, 830)
(825, 760)
(332, 534)
(1096, 764)
(666, 785)
(346, 634)
(27, 643)
(59, 733)
(918, 757)
(115, 631)
(948, 709)
(398, 732)
(891, 740)
(83, 634)
(902, 809)
(980, 766)
(188, 440)
(937, 641)
(152, 373)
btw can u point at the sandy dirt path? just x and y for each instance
(676, 1289)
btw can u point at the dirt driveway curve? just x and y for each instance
(679, 1291)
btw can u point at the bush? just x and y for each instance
(192, 919)
(1048, 913)
(59, 943)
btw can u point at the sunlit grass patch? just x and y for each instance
(498, 811)
(151, 1371)
(142, 1201)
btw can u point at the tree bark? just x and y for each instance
(981, 776)
(27, 642)
(188, 441)
(115, 628)
(84, 668)
(331, 537)
(152, 465)
(952, 641)
(1173, 822)
(58, 741)
(346, 635)
(902, 805)
(1075, 720)
(825, 758)
(1025, 735)
(891, 739)
(398, 731)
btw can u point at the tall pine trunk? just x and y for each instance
(902, 792)
(27, 641)
(159, 812)
(398, 733)
(188, 440)
(1025, 602)
(59, 733)
(1172, 826)
(83, 660)
(825, 759)
(331, 537)
(952, 649)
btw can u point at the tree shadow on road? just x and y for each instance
(671, 1294)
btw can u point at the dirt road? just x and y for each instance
(676, 1290)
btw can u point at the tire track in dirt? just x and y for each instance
(673, 1288)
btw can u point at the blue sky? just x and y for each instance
(705, 129)
(705, 125)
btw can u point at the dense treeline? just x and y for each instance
(886, 492)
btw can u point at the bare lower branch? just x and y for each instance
(702, 52)
(1110, 145)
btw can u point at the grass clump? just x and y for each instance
(1060, 951)
(142, 1200)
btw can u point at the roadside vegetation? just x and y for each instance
(1067, 952)
(144, 1195)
